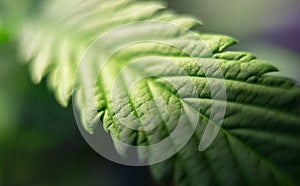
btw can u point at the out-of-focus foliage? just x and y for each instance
(39, 141)
(239, 18)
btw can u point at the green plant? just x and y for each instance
(258, 143)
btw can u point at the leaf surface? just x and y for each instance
(258, 142)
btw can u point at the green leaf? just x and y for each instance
(258, 142)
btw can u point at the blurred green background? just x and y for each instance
(39, 141)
